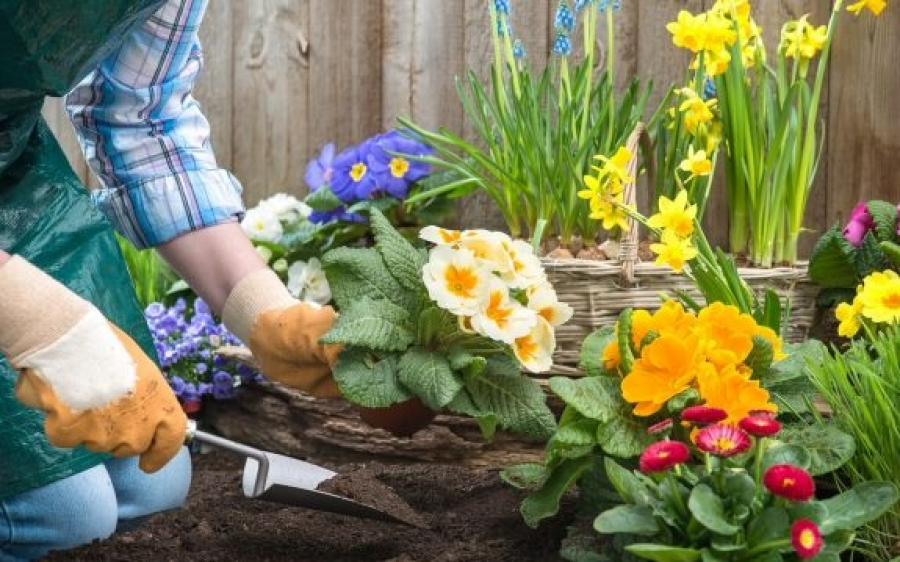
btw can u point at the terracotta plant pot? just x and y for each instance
(401, 419)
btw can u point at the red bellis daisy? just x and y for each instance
(703, 414)
(760, 425)
(806, 538)
(789, 482)
(663, 456)
(722, 440)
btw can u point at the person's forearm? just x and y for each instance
(212, 260)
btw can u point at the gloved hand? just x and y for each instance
(283, 333)
(95, 384)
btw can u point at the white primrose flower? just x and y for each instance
(535, 350)
(489, 247)
(542, 298)
(527, 270)
(440, 236)
(262, 225)
(286, 207)
(502, 318)
(456, 280)
(307, 282)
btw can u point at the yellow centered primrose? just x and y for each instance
(399, 167)
(358, 171)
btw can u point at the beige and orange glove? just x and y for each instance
(95, 384)
(283, 333)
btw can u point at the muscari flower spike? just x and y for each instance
(502, 6)
(709, 90)
(604, 4)
(582, 4)
(562, 46)
(565, 18)
(519, 51)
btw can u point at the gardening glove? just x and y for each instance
(283, 333)
(94, 383)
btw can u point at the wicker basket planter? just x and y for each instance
(600, 290)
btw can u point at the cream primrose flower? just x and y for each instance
(535, 351)
(307, 282)
(440, 236)
(489, 247)
(502, 318)
(262, 225)
(456, 280)
(527, 270)
(287, 207)
(543, 299)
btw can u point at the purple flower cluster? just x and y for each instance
(380, 166)
(186, 339)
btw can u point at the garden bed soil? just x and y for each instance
(471, 515)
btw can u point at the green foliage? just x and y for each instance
(835, 263)
(861, 386)
(152, 277)
(399, 345)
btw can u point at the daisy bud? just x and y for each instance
(663, 455)
(703, 414)
(790, 482)
(760, 426)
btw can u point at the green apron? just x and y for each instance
(46, 216)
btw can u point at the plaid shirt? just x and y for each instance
(145, 137)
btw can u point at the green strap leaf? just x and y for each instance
(663, 553)
(366, 382)
(709, 510)
(401, 257)
(428, 375)
(631, 519)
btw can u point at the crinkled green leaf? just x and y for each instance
(870, 257)
(884, 215)
(518, 401)
(428, 375)
(544, 503)
(793, 366)
(592, 350)
(598, 398)
(526, 476)
(760, 357)
(366, 382)
(372, 324)
(323, 199)
(354, 273)
(435, 324)
(832, 262)
(622, 436)
(401, 257)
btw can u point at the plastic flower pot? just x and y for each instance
(401, 419)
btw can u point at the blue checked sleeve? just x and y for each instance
(145, 136)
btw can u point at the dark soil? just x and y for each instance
(472, 517)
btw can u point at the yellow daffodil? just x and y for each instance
(800, 40)
(456, 280)
(719, 33)
(502, 318)
(673, 251)
(874, 6)
(732, 8)
(666, 368)
(696, 110)
(687, 31)
(675, 215)
(535, 350)
(849, 317)
(880, 297)
(696, 163)
(440, 236)
(612, 211)
(545, 302)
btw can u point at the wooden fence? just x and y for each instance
(284, 77)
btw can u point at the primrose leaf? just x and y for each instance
(597, 398)
(377, 325)
(545, 502)
(760, 357)
(428, 375)
(832, 263)
(401, 257)
(828, 447)
(525, 476)
(592, 350)
(354, 273)
(884, 215)
(368, 383)
(323, 199)
(518, 401)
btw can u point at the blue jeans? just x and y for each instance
(93, 504)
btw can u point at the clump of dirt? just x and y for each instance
(362, 485)
(473, 517)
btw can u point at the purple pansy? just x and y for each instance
(319, 171)
(352, 179)
(393, 172)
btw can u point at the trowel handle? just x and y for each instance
(194, 434)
